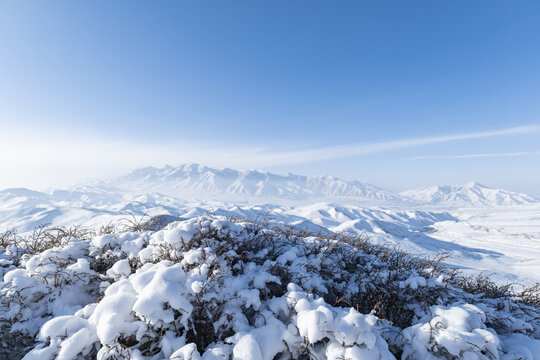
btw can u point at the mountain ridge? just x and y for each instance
(196, 178)
(471, 193)
(199, 178)
(195, 181)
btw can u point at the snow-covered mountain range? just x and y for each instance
(470, 194)
(164, 186)
(195, 180)
(198, 181)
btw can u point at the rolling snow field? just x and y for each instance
(191, 262)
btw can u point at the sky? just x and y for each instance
(401, 94)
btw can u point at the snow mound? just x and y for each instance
(213, 287)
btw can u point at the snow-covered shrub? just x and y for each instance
(42, 238)
(447, 332)
(212, 288)
(53, 283)
(333, 332)
(106, 249)
(133, 223)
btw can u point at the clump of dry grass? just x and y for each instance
(135, 223)
(42, 238)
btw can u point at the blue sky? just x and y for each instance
(92, 89)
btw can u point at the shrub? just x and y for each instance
(221, 287)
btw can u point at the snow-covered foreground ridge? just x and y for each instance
(213, 287)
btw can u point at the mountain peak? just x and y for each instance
(473, 184)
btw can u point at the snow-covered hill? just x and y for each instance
(178, 190)
(475, 245)
(470, 194)
(196, 180)
(419, 222)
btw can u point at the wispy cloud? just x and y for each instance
(334, 152)
(473, 156)
(44, 158)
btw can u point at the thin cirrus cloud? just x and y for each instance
(50, 149)
(46, 159)
(334, 152)
(473, 156)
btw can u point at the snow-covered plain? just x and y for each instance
(119, 295)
